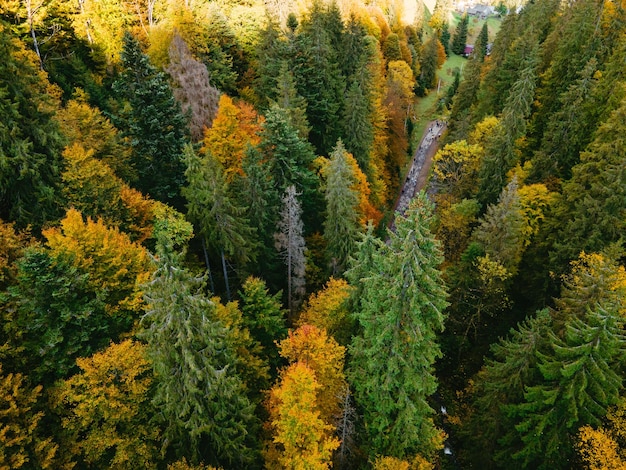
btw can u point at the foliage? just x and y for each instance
(106, 409)
(22, 442)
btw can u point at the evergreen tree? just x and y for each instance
(501, 154)
(153, 124)
(358, 129)
(502, 382)
(430, 62)
(341, 226)
(202, 404)
(217, 216)
(291, 246)
(460, 35)
(444, 38)
(289, 100)
(480, 48)
(400, 313)
(30, 141)
(318, 76)
(592, 211)
(580, 381)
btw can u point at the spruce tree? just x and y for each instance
(400, 313)
(460, 36)
(203, 408)
(341, 226)
(153, 124)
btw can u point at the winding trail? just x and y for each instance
(420, 167)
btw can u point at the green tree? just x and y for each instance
(358, 129)
(592, 212)
(153, 125)
(264, 317)
(460, 35)
(202, 405)
(400, 313)
(429, 62)
(216, 215)
(289, 100)
(341, 226)
(580, 381)
(30, 141)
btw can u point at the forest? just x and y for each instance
(200, 263)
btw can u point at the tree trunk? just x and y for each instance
(208, 265)
(225, 276)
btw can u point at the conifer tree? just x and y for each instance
(341, 226)
(203, 407)
(153, 124)
(30, 142)
(358, 129)
(289, 100)
(290, 243)
(216, 215)
(400, 313)
(460, 36)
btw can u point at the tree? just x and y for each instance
(460, 36)
(22, 442)
(431, 61)
(264, 317)
(106, 410)
(592, 203)
(291, 245)
(30, 141)
(216, 215)
(328, 309)
(203, 408)
(580, 382)
(400, 313)
(358, 127)
(236, 126)
(153, 125)
(192, 87)
(341, 226)
(288, 99)
(313, 347)
(301, 438)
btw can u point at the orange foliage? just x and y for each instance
(235, 127)
(312, 346)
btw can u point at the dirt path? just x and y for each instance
(420, 166)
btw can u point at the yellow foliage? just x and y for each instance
(184, 465)
(235, 127)
(326, 309)
(313, 347)
(103, 408)
(19, 427)
(535, 199)
(455, 167)
(483, 131)
(391, 463)
(301, 439)
(12, 244)
(117, 266)
(598, 450)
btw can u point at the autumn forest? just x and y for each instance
(201, 266)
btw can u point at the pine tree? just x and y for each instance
(289, 100)
(153, 124)
(358, 129)
(203, 408)
(400, 313)
(460, 35)
(291, 246)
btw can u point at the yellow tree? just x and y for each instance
(327, 309)
(21, 441)
(117, 266)
(302, 439)
(235, 127)
(313, 347)
(106, 411)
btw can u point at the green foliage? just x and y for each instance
(153, 125)
(341, 227)
(400, 313)
(30, 141)
(460, 36)
(202, 405)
